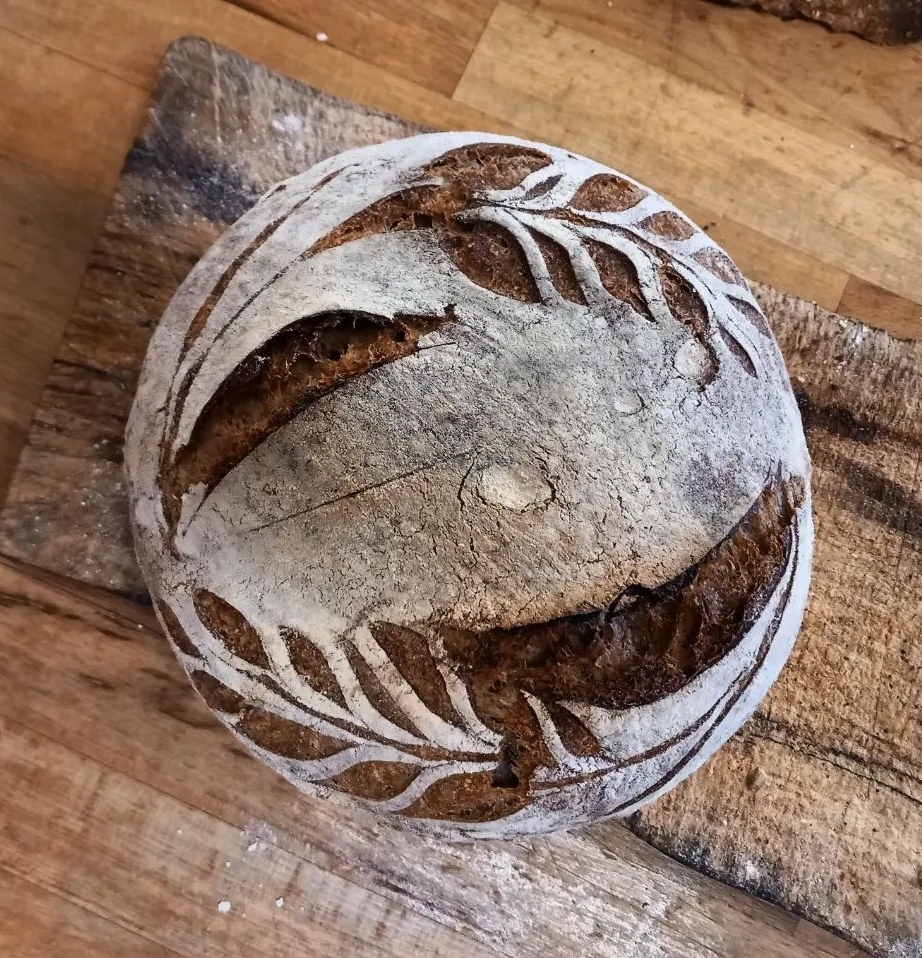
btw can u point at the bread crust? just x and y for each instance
(469, 483)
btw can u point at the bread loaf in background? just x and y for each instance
(468, 483)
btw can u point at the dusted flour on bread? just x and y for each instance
(468, 482)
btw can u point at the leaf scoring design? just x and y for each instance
(560, 268)
(410, 209)
(310, 663)
(753, 315)
(739, 353)
(542, 188)
(574, 735)
(377, 694)
(410, 653)
(618, 276)
(687, 307)
(230, 627)
(467, 798)
(490, 256)
(488, 166)
(287, 738)
(720, 265)
(376, 781)
(669, 225)
(483, 233)
(606, 193)
(216, 695)
(176, 632)
(646, 644)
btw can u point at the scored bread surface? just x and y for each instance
(468, 481)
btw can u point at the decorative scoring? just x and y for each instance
(496, 702)
(500, 729)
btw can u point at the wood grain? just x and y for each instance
(428, 43)
(838, 742)
(176, 896)
(121, 39)
(58, 128)
(40, 221)
(696, 146)
(880, 21)
(125, 40)
(897, 315)
(59, 926)
(803, 800)
(150, 814)
(63, 118)
(842, 88)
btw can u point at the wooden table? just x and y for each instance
(805, 165)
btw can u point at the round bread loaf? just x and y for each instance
(468, 482)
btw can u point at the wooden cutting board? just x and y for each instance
(817, 803)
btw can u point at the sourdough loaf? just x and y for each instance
(468, 483)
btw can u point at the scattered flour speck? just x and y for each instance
(289, 123)
(224, 906)
(253, 846)
(322, 37)
(279, 902)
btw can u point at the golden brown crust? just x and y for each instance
(468, 798)
(311, 664)
(216, 695)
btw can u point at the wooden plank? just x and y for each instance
(46, 232)
(64, 128)
(75, 79)
(65, 119)
(804, 800)
(844, 89)
(427, 43)
(880, 22)
(700, 147)
(862, 395)
(146, 861)
(140, 826)
(126, 40)
(898, 316)
(35, 923)
(766, 261)
(119, 37)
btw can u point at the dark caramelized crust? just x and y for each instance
(297, 366)
(649, 642)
